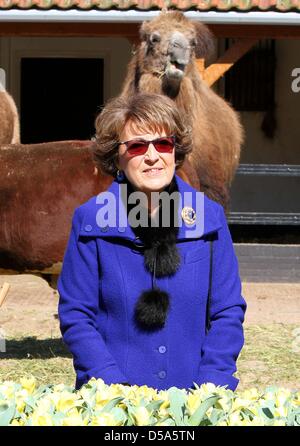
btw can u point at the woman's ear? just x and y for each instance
(204, 41)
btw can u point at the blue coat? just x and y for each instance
(101, 280)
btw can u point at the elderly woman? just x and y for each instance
(141, 301)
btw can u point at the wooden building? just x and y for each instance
(77, 51)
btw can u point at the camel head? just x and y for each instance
(170, 43)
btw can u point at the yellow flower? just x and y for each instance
(147, 392)
(67, 401)
(279, 423)
(20, 396)
(281, 411)
(162, 423)
(281, 396)
(163, 412)
(224, 403)
(59, 387)
(41, 419)
(208, 387)
(100, 384)
(104, 396)
(8, 389)
(162, 396)
(254, 410)
(17, 423)
(28, 384)
(193, 402)
(142, 416)
(250, 394)
(234, 419)
(44, 404)
(21, 406)
(74, 418)
(239, 403)
(105, 419)
(164, 405)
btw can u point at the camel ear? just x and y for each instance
(144, 31)
(204, 41)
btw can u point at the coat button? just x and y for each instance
(88, 228)
(104, 228)
(162, 374)
(162, 349)
(121, 229)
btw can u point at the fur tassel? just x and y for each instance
(167, 259)
(151, 309)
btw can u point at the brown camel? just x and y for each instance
(9, 119)
(40, 186)
(165, 63)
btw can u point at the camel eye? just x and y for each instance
(193, 43)
(155, 37)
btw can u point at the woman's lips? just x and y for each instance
(153, 172)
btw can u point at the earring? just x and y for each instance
(120, 175)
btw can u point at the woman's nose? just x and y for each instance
(152, 153)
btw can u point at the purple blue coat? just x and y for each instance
(103, 275)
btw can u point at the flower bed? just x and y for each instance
(97, 404)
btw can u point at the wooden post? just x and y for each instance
(216, 70)
(201, 66)
(3, 292)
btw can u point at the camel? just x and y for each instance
(9, 119)
(165, 63)
(40, 186)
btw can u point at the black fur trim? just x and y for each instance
(151, 309)
(167, 259)
(160, 241)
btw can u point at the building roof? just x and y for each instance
(147, 5)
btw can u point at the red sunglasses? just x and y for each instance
(164, 144)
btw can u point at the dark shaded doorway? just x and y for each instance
(60, 98)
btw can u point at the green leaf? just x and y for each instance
(7, 414)
(177, 405)
(154, 405)
(293, 417)
(57, 418)
(267, 412)
(198, 415)
(247, 413)
(131, 418)
(111, 404)
(119, 414)
(216, 415)
(167, 420)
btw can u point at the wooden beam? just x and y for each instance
(226, 61)
(256, 31)
(201, 66)
(127, 30)
(3, 292)
(130, 30)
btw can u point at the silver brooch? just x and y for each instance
(188, 215)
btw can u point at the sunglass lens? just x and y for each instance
(164, 145)
(137, 148)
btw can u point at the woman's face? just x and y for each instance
(152, 171)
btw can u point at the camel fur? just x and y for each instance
(165, 63)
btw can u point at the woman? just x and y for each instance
(134, 292)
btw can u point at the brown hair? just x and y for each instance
(145, 111)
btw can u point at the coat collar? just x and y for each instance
(207, 215)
